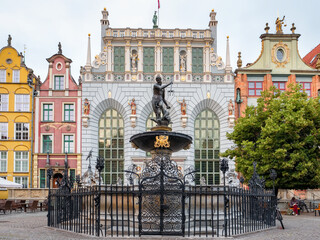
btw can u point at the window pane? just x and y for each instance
(206, 148)
(307, 86)
(3, 131)
(4, 102)
(16, 76)
(113, 148)
(251, 84)
(2, 75)
(258, 84)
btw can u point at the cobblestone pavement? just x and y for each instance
(33, 226)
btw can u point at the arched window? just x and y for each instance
(111, 145)
(207, 146)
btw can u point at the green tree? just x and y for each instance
(283, 133)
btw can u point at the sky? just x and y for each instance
(37, 26)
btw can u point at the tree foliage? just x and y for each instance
(283, 133)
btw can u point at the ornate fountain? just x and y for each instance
(161, 180)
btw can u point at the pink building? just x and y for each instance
(57, 123)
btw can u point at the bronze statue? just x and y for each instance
(9, 40)
(158, 102)
(154, 20)
(59, 48)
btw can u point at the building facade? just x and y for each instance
(279, 64)
(117, 92)
(313, 58)
(16, 116)
(57, 123)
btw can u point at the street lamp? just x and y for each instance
(224, 167)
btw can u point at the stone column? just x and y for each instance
(158, 58)
(189, 62)
(127, 57)
(140, 62)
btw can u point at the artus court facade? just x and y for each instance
(117, 93)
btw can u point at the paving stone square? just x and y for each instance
(28, 225)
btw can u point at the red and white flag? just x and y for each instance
(158, 4)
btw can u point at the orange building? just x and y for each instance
(279, 64)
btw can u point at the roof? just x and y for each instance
(51, 59)
(311, 58)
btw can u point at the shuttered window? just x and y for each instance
(167, 60)
(118, 59)
(197, 60)
(148, 59)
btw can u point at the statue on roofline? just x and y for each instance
(279, 24)
(154, 20)
(9, 40)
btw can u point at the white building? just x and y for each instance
(126, 68)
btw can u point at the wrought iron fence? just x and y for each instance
(131, 210)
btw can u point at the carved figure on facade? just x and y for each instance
(86, 107)
(158, 102)
(230, 108)
(134, 61)
(216, 60)
(133, 106)
(183, 106)
(279, 24)
(99, 60)
(183, 60)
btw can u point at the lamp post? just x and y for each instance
(49, 176)
(99, 167)
(224, 167)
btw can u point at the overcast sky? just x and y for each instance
(41, 24)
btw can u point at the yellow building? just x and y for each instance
(16, 117)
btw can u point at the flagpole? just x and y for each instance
(158, 17)
(158, 12)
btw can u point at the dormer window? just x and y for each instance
(58, 82)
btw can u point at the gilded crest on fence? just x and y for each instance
(162, 141)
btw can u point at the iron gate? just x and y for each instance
(161, 201)
(161, 204)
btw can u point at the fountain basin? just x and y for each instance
(146, 141)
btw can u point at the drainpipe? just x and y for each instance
(34, 93)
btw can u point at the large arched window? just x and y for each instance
(111, 145)
(207, 146)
